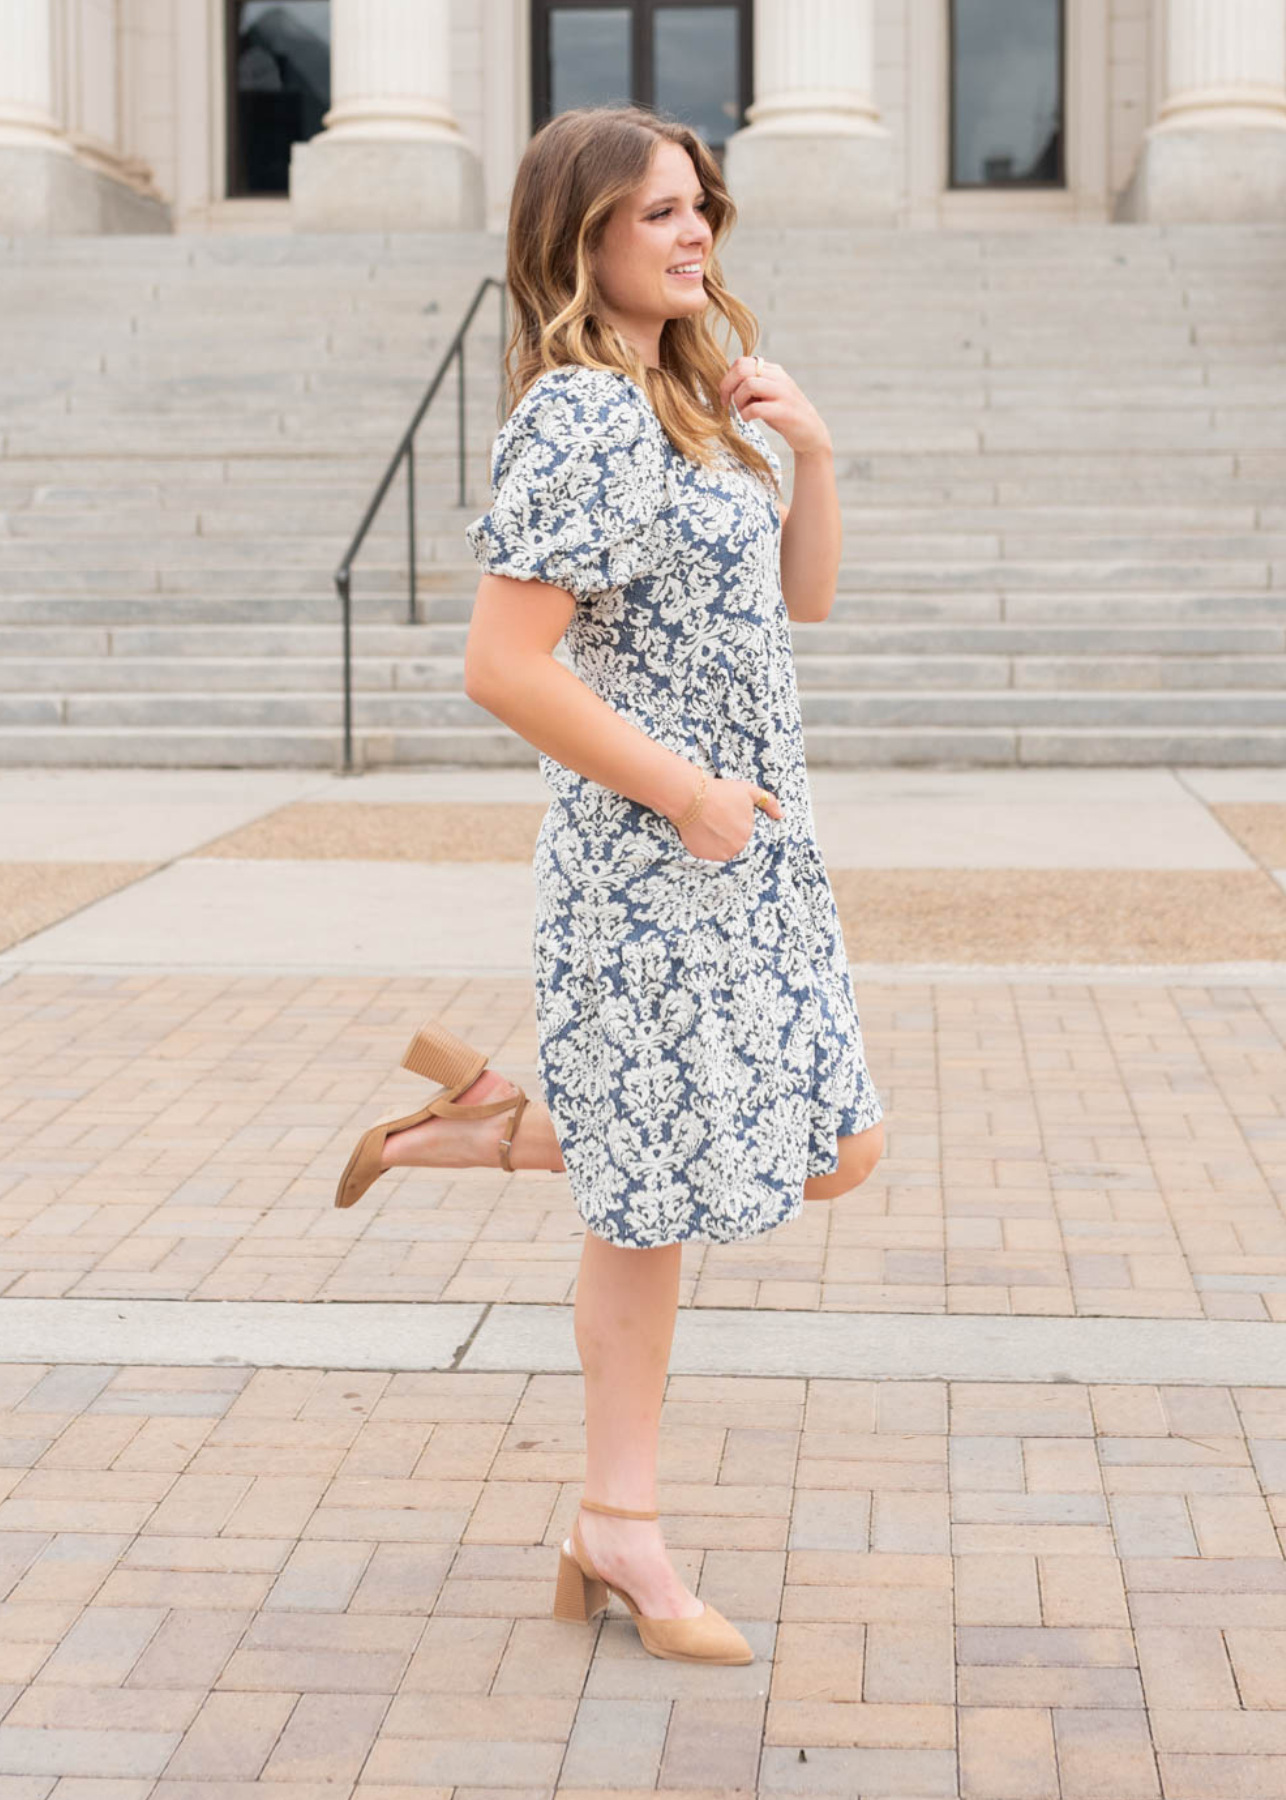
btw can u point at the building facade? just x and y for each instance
(205, 115)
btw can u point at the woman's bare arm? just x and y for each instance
(811, 538)
(510, 670)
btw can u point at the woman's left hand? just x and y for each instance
(775, 398)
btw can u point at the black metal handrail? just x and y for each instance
(405, 452)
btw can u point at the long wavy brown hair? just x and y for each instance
(575, 169)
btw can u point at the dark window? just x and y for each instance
(1007, 93)
(278, 87)
(589, 55)
(690, 61)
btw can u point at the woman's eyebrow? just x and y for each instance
(667, 199)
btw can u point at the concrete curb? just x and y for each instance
(531, 1339)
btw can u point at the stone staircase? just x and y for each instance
(1061, 457)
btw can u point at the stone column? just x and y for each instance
(59, 171)
(391, 156)
(814, 151)
(34, 154)
(27, 119)
(1217, 151)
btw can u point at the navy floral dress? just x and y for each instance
(698, 1038)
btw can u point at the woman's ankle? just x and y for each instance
(535, 1144)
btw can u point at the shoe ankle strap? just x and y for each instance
(621, 1512)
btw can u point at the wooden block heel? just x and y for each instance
(438, 1054)
(578, 1597)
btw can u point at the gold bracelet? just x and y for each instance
(695, 805)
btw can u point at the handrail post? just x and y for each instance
(410, 526)
(406, 449)
(344, 582)
(459, 420)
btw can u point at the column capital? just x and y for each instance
(27, 117)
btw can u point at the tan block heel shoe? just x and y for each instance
(440, 1055)
(582, 1593)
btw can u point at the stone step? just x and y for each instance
(1059, 544)
(116, 600)
(185, 565)
(1189, 420)
(1112, 674)
(826, 747)
(919, 746)
(402, 357)
(1109, 638)
(68, 675)
(118, 508)
(235, 711)
(1161, 458)
(970, 393)
(868, 488)
(945, 531)
(361, 349)
(1191, 473)
(94, 356)
(1111, 641)
(28, 541)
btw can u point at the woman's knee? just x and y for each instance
(858, 1155)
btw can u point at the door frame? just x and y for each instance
(1060, 184)
(1085, 197)
(640, 48)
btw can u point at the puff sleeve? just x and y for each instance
(579, 479)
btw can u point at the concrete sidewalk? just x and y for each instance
(931, 868)
(994, 1479)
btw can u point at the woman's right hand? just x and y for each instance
(725, 818)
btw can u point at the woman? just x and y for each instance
(699, 1045)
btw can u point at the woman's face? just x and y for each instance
(649, 233)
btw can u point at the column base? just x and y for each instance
(1212, 174)
(48, 191)
(385, 184)
(819, 178)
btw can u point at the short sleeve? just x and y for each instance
(579, 481)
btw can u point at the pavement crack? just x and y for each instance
(467, 1345)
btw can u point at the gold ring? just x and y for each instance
(759, 365)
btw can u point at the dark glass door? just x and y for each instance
(1007, 101)
(278, 87)
(690, 60)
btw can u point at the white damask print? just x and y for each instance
(698, 1037)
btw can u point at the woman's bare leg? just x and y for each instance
(440, 1143)
(626, 1303)
(858, 1155)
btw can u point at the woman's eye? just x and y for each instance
(702, 206)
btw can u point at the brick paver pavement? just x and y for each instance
(339, 1579)
(226, 1582)
(1059, 1148)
